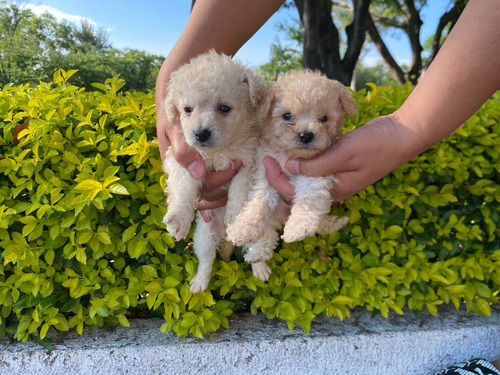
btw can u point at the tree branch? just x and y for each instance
(344, 4)
(389, 60)
(321, 38)
(356, 34)
(413, 30)
(449, 17)
(388, 21)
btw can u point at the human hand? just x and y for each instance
(214, 191)
(213, 194)
(358, 159)
(171, 136)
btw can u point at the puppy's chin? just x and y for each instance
(303, 152)
(207, 145)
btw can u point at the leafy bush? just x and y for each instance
(82, 244)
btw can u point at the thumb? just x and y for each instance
(335, 159)
(278, 180)
(186, 156)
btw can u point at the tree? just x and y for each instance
(89, 39)
(288, 56)
(322, 42)
(376, 74)
(325, 50)
(446, 23)
(405, 15)
(22, 36)
(33, 47)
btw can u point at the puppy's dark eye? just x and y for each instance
(287, 116)
(224, 108)
(323, 119)
(188, 109)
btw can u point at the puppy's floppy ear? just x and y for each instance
(256, 87)
(347, 101)
(173, 115)
(266, 105)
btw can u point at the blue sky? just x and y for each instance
(154, 25)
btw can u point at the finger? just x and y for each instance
(186, 156)
(351, 151)
(206, 217)
(161, 131)
(214, 194)
(350, 183)
(221, 178)
(343, 189)
(163, 142)
(278, 179)
(334, 159)
(210, 205)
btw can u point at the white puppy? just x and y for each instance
(303, 114)
(213, 100)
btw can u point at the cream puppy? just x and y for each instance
(213, 100)
(303, 114)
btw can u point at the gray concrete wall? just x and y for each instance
(399, 345)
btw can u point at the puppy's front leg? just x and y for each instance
(252, 221)
(331, 224)
(259, 252)
(205, 243)
(311, 203)
(238, 193)
(182, 191)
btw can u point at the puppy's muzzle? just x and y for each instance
(202, 135)
(305, 137)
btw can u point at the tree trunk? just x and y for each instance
(449, 17)
(413, 30)
(356, 35)
(321, 38)
(390, 62)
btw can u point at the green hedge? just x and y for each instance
(82, 244)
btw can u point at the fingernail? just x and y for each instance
(206, 218)
(292, 166)
(196, 169)
(236, 163)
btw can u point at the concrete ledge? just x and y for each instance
(399, 345)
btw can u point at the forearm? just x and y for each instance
(219, 24)
(465, 73)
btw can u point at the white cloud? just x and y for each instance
(56, 13)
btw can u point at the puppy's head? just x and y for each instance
(304, 112)
(214, 99)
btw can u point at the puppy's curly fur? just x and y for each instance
(303, 113)
(213, 100)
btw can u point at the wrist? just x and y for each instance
(413, 138)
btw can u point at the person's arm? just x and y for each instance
(219, 24)
(464, 74)
(224, 26)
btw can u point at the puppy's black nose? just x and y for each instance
(306, 137)
(202, 135)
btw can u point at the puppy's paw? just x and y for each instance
(297, 230)
(177, 225)
(261, 271)
(332, 224)
(199, 283)
(242, 234)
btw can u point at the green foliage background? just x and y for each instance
(33, 47)
(82, 244)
